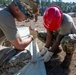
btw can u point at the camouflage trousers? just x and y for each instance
(68, 46)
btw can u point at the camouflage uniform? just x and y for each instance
(68, 46)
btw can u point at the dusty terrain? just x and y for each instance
(53, 67)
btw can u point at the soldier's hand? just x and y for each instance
(43, 51)
(34, 33)
(46, 57)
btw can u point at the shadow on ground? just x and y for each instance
(53, 68)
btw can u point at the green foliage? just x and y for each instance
(5, 1)
(66, 7)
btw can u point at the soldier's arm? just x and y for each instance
(57, 42)
(20, 44)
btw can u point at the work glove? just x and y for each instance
(46, 57)
(43, 52)
(34, 33)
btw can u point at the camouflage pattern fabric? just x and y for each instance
(6, 54)
(6, 43)
(28, 7)
(32, 5)
(68, 46)
(11, 65)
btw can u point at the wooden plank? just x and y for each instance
(35, 66)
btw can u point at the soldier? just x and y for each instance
(61, 28)
(37, 13)
(8, 26)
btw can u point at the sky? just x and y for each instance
(69, 0)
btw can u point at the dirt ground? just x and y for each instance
(53, 67)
